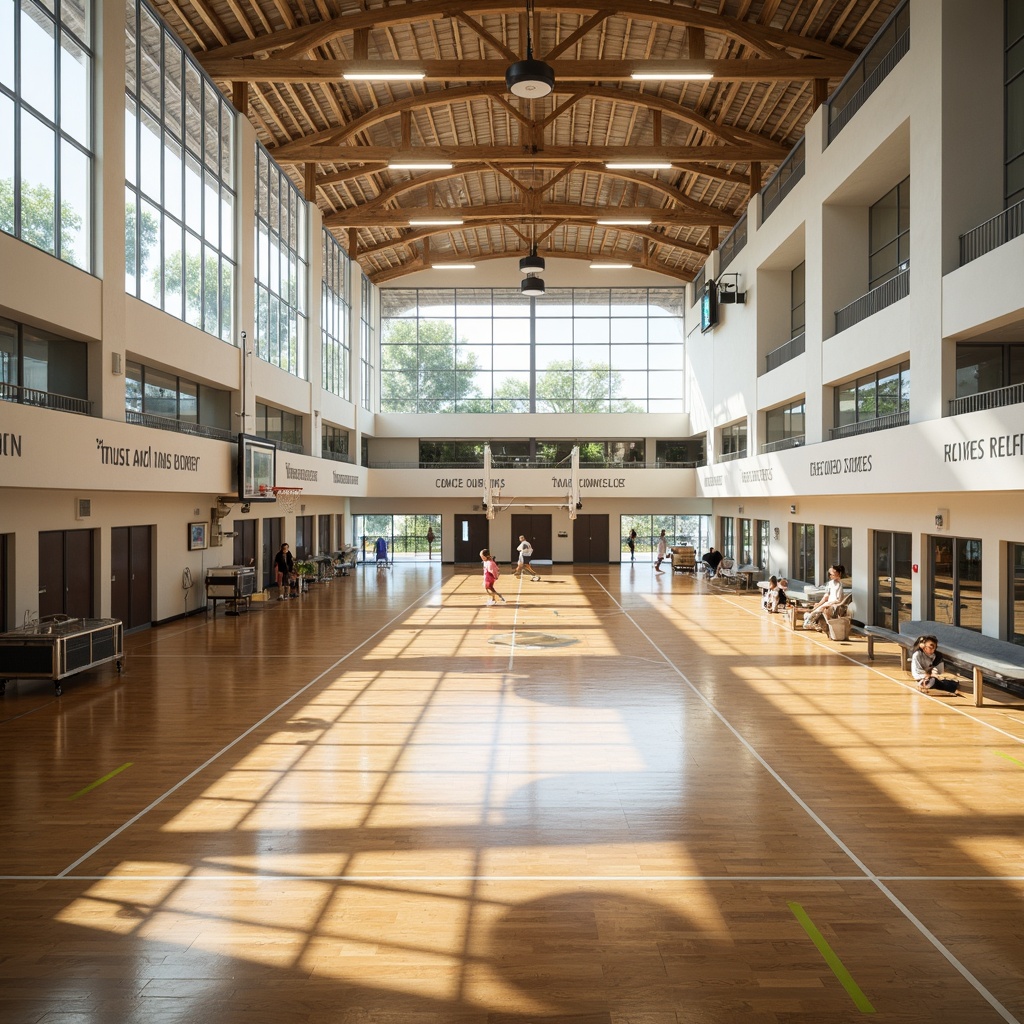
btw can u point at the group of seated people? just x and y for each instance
(774, 596)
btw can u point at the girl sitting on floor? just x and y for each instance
(927, 667)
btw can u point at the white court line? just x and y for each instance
(808, 810)
(238, 739)
(911, 688)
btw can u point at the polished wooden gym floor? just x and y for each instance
(621, 798)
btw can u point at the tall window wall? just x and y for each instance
(494, 350)
(179, 167)
(1014, 102)
(366, 361)
(335, 308)
(282, 268)
(46, 126)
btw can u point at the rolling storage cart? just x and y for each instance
(57, 647)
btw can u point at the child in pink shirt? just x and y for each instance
(491, 574)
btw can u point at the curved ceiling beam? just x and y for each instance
(434, 177)
(303, 38)
(530, 209)
(392, 273)
(465, 93)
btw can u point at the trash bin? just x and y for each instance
(839, 629)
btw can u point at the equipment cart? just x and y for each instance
(230, 583)
(58, 646)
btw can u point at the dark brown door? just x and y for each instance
(271, 545)
(303, 546)
(323, 540)
(471, 532)
(590, 539)
(120, 574)
(4, 584)
(243, 550)
(66, 573)
(536, 528)
(131, 576)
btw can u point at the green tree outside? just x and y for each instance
(39, 220)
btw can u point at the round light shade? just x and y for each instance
(530, 79)
(532, 286)
(532, 264)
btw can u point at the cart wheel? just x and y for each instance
(57, 689)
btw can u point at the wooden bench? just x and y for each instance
(880, 633)
(979, 654)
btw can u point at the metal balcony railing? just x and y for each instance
(790, 350)
(44, 399)
(993, 233)
(896, 419)
(781, 183)
(145, 419)
(783, 444)
(734, 243)
(287, 446)
(871, 69)
(732, 456)
(1013, 394)
(886, 294)
(338, 457)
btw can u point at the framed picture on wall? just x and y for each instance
(197, 538)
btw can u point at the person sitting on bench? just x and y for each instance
(829, 605)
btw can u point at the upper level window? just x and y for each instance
(366, 362)
(149, 391)
(988, 367)
(278, 425)
(889, 235)
(39, 368)
(179, 168)
(882, 393)
(785, 422)
(1014, 102)
(734, 440)
(797, 300)
(46, 127)
(335, 308)
(281, 268)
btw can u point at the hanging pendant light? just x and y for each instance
(532, 286)
(531, 79)
(532, 264)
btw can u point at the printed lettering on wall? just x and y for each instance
(146, 458)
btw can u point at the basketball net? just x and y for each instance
(288, 498)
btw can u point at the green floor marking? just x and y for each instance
(99, 782)
(999, 753)
(845, 979)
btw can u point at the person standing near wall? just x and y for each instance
(662, 551)
(284, 572)
(631, 544)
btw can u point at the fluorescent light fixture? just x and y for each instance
(420, 165)
(384, 76)
(611, 266)
(453, 266)
(434, 222)
(640, 165)
(626, 222)
(671, 76)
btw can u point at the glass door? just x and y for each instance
(955, 581)
(893, 568)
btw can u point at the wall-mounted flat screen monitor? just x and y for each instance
(709, 307)
(257, 468)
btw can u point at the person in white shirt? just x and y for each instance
(525, 550)
(662, 551)
(830, 602)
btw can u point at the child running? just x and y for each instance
(491, 574)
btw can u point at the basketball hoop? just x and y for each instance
(287, 496)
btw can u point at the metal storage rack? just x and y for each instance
(57, 647)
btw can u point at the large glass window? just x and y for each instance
(734, 441)
(279, 425)
(786, 423)
(1014, 102)
(495, 350)
(688, 451)
(408, 537)
(179, 168)
(681, 531)
(727, 536)
(46, 127)
(335, 308)
(798, 301)
(985, 367)
(883, 393)
(1016, 604)
(151, 392)
(838, 542)
(956, 581)
(333, 441)
(802, 565)
(366, 353)
(282, 268)
(889, 235)
(39, 368)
